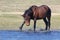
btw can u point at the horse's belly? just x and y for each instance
(39, 18)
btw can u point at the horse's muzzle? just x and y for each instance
(27, 24)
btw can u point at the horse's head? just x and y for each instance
(26, 17)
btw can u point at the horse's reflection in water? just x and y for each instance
(35, 13)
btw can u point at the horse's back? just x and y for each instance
(41, 11)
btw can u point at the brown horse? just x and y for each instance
(36, 13)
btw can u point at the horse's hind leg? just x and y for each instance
(49, 18)
(45, 20)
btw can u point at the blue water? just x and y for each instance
(26, 35)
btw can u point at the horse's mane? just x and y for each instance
(32, 7)
(29, 10)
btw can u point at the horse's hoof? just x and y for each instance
(35, 31)
(47, 29)
(20, 28)
(29, 30)
(42, 29)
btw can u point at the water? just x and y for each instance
(26, 35)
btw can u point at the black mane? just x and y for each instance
(29, 11)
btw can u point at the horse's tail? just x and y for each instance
(49, 17)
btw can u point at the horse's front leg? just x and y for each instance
(22, 25)
(34, 24)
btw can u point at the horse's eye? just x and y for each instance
(26, 18)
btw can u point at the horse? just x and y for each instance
(36, 13)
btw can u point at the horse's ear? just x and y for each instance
(22, 15)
